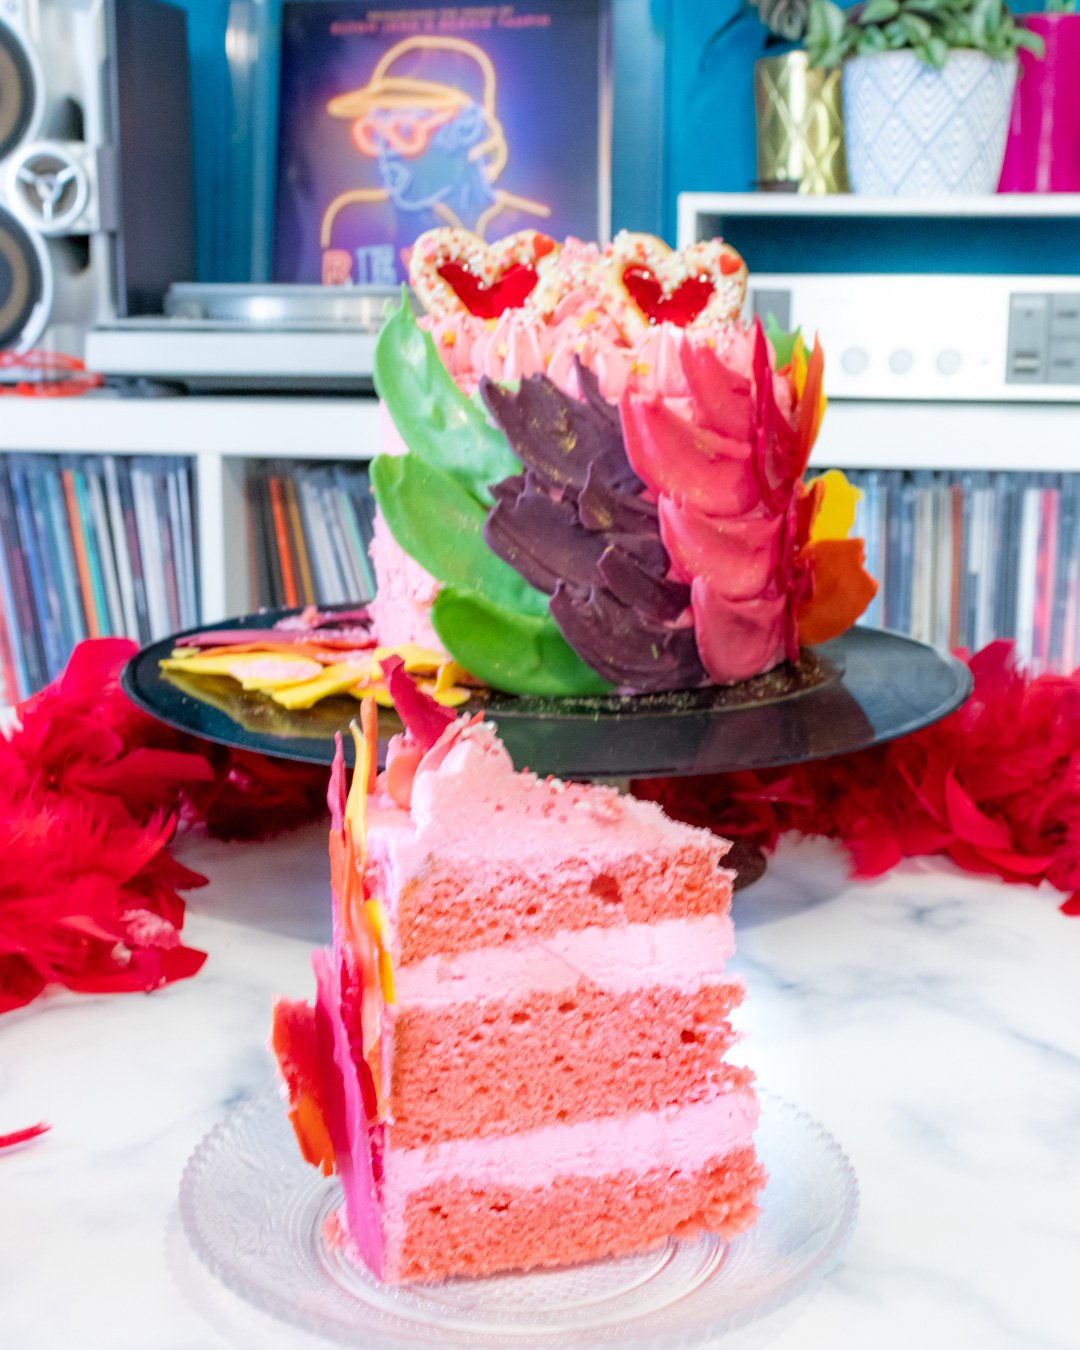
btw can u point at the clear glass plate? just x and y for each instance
(254, 1211)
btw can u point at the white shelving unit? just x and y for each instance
(1040, 438)
(1061, 205)
(219, 434)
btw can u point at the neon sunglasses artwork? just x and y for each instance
(437, 149)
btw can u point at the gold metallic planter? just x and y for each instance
(800, 124)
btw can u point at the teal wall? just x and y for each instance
(683, 117)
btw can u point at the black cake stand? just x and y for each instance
(861, 689)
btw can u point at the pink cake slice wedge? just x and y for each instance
(531, 1008)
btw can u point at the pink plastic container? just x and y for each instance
(1042, 153)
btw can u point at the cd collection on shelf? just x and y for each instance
(962, 558)
(309, 529)
(99, 545)
(91, 546)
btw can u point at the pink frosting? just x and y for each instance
(677, 954)
(516, 347)
(536, 818)
(454, 337)
(658, 363)
(469, 777)
(404, 593)
(609, 362)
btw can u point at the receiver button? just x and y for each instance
(949, 361)
(901, 361)
(855, 360)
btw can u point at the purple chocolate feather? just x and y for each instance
(653, 598)
(541, 539)
(590, 392)
(647, 550)
(575, 527)
(558, 436)
(602, 509)
(620, 647)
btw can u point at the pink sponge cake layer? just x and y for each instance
(548, 856)
(470, 1231)
(572, 1192)
(530, 1014)
(563, 1057)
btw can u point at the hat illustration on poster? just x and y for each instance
(439, 148)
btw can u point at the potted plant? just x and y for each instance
(928, 87)
(1042, 153)
(799, 116)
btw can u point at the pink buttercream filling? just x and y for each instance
(678, 1138)
(677, 954)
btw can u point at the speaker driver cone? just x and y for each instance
(16, 91)
(21, 282)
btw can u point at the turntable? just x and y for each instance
(247, 339)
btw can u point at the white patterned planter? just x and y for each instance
(912, 131)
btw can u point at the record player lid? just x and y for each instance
(280, 306)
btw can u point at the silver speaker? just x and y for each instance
(54, 157)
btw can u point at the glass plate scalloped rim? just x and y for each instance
(253, 1212)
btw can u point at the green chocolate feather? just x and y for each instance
(433, 417)
(441, 525)
(519, 653)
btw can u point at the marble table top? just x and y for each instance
(931, 1021)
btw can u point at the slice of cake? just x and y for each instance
(516, 1057)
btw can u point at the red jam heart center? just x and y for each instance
(512, 289)
(681, 307)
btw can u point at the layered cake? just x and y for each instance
(516, 1056)
(592, 471)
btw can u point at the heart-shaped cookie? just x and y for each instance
(649, 283)
(454, 272)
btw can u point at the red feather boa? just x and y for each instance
(91, 790)
(996, 787)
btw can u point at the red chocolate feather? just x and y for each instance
(424, 720)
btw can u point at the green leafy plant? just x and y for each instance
(929, 28)
(1060, 7)
(786, 19)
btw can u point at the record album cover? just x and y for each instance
(393, 121)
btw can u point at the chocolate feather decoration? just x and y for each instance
(574, 525)
(542, 538)
(594, 399)
(623, 648)
(424, 719)
(629, 583)
(558, 436)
